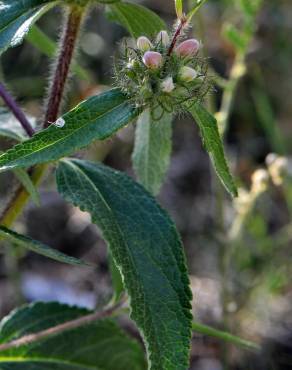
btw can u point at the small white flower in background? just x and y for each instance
(260, 181)
(188, 48)
(144, 44)
(60, 123)
(187, 74)
(167, 85)
(152, 59)
(163, 38)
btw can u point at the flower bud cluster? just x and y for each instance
(163, 72)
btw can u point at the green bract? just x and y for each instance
(156, 78)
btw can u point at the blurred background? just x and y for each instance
(239, 253)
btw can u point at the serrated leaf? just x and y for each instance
(148, 251)
(38, 247)
(27, 183)
(16, 18)
(101, 345)
(11, 128)
(97, 118)
(213, 143)
(137, 19)
(152, 150)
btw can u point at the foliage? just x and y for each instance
(156, 79)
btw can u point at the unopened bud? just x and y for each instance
(188, 48)
(187, 74)
(143, 43)
(163, 38)
(152, 59)
(167, 85)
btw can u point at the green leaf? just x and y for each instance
(27, 183)
(11, 128)
(117, 280)
(101, 345)
(37, 247)
(195, 6)
(137, 19)
(16, 18)
(48, 47)
(213, 143)
(99, 117)
(179, 8)
(148, 251)
(152, 150)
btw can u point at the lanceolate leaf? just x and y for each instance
(16, 18)
(148, 251)
(101, 345)
(37, 247)
(11, 128)
(213, 143)
(99, 117)
(137, 19)
(152, 150)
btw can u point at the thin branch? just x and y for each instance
(16, 110)
(69, 325)
(227, 337)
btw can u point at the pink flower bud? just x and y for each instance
(163, 38)
(152, 59)
(143, 43)
(188, 48)
(167, 85)
(187, 74)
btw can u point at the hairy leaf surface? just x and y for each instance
(37, 247)
(101, 345)
(137, 19)
(152, 150)
(146, 248)
(98, 117)
(16, 18)
(213, 143)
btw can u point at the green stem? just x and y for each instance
(225, 336)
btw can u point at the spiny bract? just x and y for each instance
(161, 74)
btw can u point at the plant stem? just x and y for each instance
(227, 337)
(16, 110)
(56, 93)
(177, 33)
(62, 67)
(69, 325)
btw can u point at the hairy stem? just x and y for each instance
(177, 33)
(69, 325)
(56, 94)
(62, 67)
(16, 110)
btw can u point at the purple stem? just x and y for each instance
(16, 110)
